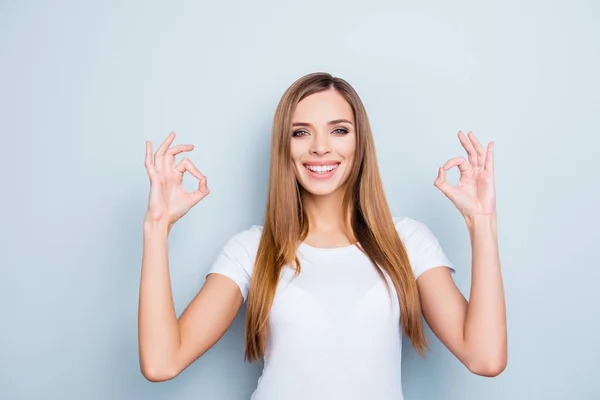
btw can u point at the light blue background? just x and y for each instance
(85, 83)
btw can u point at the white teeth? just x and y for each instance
(322, 168)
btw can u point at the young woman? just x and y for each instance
(331, 279)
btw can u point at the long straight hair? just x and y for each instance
(368, 222)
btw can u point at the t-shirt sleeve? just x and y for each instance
(423, 247)
(236, 259)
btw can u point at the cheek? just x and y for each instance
(348, 151)
(348, 148)
(298, 148)
(295, 152)
(296, 155)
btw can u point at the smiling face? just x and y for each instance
(323, 142)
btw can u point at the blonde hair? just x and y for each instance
(367, 218)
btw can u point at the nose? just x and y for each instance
(320, 144)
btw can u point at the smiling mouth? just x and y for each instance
(321, 169)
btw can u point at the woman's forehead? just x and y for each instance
(322, 107)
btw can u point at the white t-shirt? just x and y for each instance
(335, 331)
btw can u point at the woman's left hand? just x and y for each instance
(475, 194)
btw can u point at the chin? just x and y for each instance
(319, 191)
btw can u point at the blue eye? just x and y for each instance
(341, 131)
(298, 133)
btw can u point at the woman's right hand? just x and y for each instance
(168, 200)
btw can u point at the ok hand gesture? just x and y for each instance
(168, 201)
(475, 194)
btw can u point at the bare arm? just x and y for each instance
(474, 331)
(168, 345)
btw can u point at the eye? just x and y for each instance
(341, 131)
(299, 133)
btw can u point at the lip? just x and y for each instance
(318, 176)
(320, 163)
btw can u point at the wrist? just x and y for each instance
(481, 221)
(151, 224)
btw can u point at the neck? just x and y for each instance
(324, 212)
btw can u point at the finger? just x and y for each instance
(462, 164)
(489, 157)
(187, 165)
(165, 145)
(149, 163)
(468, 147)
(201, 192)
(441, 178)
(478, 148)
(203, 185)
(180, 149)
(442, 185)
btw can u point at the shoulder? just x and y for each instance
(249, 237)
(409, 227)
(236, 258)
(246, 240)
(243, 246)
(422, 246)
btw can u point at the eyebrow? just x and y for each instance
(335, 121)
